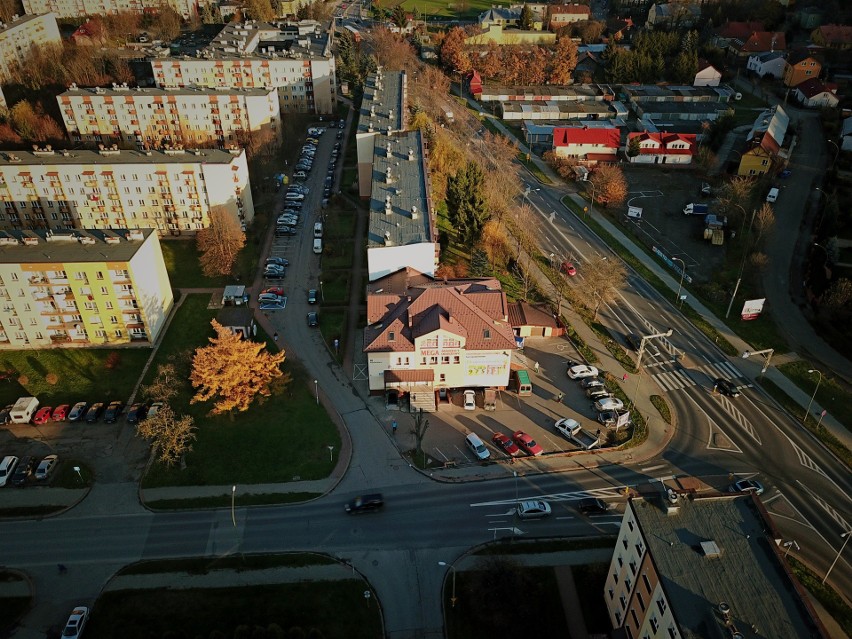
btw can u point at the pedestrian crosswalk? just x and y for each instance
(682, 378)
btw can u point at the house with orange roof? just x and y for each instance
(661, 148)
(424, 335)
(800, 66)
(587, 144)
(758, 42)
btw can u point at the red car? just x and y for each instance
(60, 413)
(505, 444)
(42, 415)
(275, 290)
(569, 269)
(527, 443)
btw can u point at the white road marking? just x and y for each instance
(650, 468)
(836, 516)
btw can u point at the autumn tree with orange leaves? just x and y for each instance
(233, 371)
(220, 243)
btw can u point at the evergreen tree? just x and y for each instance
(466, 205)
(526, 18)
(478, 263)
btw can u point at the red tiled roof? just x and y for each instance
(760, 41)
(664, 139)
(601, 157)
(836, 33)
(812, 87)
(567, 136)
(417, 375)
(577, 9)
(739, 30)
(523, 314)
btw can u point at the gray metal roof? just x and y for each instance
(383, 104)
(746, 574)
(407, 192)
(76, 157)
(62, 247)
(653, 92)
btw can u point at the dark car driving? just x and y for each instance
(365, 504)
(592, 506)
(725, 387)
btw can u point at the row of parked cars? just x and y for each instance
(16, 471)
(607, 407)
(513, 446)
(108, 412)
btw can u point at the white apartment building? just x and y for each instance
(79, 8)
(22, 34)
(293, 58)
(152, 118)
(172, 191)
(80, 288)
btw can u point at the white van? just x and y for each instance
(477, 447)
(318, 229)
(772, 195)
(318, 246)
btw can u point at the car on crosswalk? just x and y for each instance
(726, 387)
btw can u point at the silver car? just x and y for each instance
(533, 509)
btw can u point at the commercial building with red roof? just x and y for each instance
(587, 144)
(661, 148)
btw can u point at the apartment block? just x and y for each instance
(22, 34)
(81, 288)
(79, 8)
(293, 58)
(382, 114)
(687, 566)
(172, 191)
(152, 118)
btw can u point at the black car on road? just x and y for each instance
(725, 387)
(365, 504)
(592, 506)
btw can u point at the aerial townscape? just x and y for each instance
(387, 319)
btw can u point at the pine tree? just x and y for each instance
(526, 18)
(478, 263)
(466, 204)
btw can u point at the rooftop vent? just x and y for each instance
(388, 149)
(710, 550)
(414, 214)
(30, 241)
(112, 239)
(388, 205)
(87, 239)
(388, 176)
(134, 234)
(388, 241)
(411, 154)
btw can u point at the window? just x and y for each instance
(620, 562)
(433, 361)
(443, 377)
(628, 584)
(640, 547)
(423, 361)
(624, 543)
(662, 605)
(391, 336)
(611, 593)
(630, 524)
(99, 275)
(622, 601)
(633, 567)
(445, 359)
(672, 632)
(486, 333)
(118, 333)
(456, 359)
(113, 319)
(647, 583)
(100, 333)
(655, 625)
(641, 601)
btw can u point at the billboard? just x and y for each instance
(487, 368)
(752, 309)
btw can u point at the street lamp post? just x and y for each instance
(819, 381)
(233, 497)
(316, 390)
(836, 149)
(551, 260)
(453, 569)
(742, 267)
(592, 201)
(682, 273)
(767, 351)
(845, 535)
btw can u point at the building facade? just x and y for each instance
(424, 335)
(81, 288)
(661, 148)
(815, 94)
(79, 8)
(703, 566)
(295, 59)
(20, 35)
(765, 150)
(172, 191)
(151, 118)
(587, 144)
(707, 75)
(770, 64)
(800, 67)
(561, 15)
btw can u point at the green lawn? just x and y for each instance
(69, 375)
(181, 259)
(336, 609)
(241, 562)
(458, 9)
(331, 326)
(252, 447)
(830, 395)
(335, 287)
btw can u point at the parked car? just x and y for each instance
(597, 392)
(42, 415)
(533, 509)
(274, 290)
(300, 175)
(312, 296)
(137, 413)
(60, 413)
(566, 426)
(285, 230)
(592, 506)
(94, 412)
(153, 409)
(78, 412)
(269, 298)
(747, 486)
(582, 370)
(477, 446)
(470, 400)
(505, 444)
(569, 269)
(274, 275)
(7, 468)
(76, 623)
(591, 382)
(45, 467)
(608, 403)
(280, 261)
(365, 504)
(24, 471)
(313, 318)
(113, 412)
(527, 443)
(608, 417)
(725, 387)
(6, 414)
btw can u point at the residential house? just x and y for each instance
(770, 64)
(800, 66)
(814, 93)
(833, 36)
(533, 321)
(758, 42)
(846, 135)
(20, 35)
(89, 34)
(82, 288)
(510, 16)
(587, 144)
(590, 66)
(661, 148)
(735, 31)
(498, 34)
(425, 335)
(674, 14)
(561, 15)
(764, 150)
(707, 75)
(687, 565)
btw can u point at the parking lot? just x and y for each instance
(535, 415)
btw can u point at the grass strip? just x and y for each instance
(238, 563)
(224, 501)
(821, 432)
(508, 547)
(533, 168)
(662, 407)
(30, 511)
(830, 394)
(12, 609)
(823, 593)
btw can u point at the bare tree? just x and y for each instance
(220, 243)
(392, 51)
(171, 436)
(602, 278)
(419, 429)
(764, 222)
(164, 386)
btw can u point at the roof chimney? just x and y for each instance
(388, 205)
(414, 213)
(388, 178)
